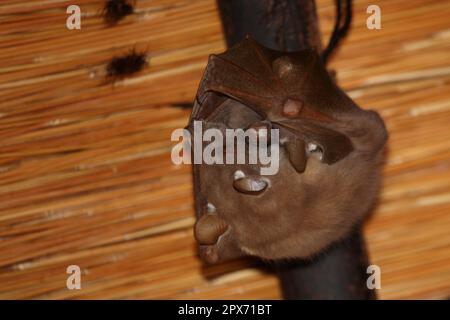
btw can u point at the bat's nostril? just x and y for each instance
(209, 254)
(209, 228)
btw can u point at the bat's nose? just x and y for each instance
(209, 228)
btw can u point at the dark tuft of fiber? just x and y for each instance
(183, 105)
(120, 67)
(116, 10)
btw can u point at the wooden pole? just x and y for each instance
(285, 25)
(339, 273)
(291, 25)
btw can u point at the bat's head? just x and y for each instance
(328, 149)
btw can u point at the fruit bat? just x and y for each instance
(330, 156)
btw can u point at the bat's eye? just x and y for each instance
(249, 184)
(292, 108)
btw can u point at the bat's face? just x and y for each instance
(329, 156)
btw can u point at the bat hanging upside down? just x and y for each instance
(329, 160)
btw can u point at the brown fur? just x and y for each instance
(300, 213)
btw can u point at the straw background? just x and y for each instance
(85, 170)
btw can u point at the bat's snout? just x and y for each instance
(209, 228)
